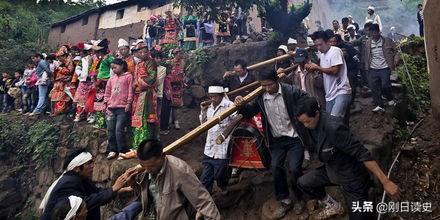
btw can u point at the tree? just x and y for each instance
(279, 15)
(25, 25)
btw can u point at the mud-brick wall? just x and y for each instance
(432, 45)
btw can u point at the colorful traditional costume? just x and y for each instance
(189, 29)
(61, 94)
(144, 116)
(170, 28)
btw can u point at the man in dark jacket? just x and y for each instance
(345, 159)
(77, 181)
(284, 135)
(238, 78)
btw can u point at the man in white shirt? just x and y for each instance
(372, 17)
(333, 66)
(284, 135)
(161, 74)
(215, 156)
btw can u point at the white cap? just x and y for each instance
(77, 58)
(310, 42)
(122, 43)
(371, 8)
(292, 41)
(215, 89)
(283, 48)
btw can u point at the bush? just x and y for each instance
(34, 145)
(416, 80)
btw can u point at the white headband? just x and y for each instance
(79, 160)
(215, 89)
(75, 203)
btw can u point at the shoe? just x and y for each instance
(282, 210)
(77, 119)
(234, 172)
(176, 125)
(392, 103)
(164, 132)
(120, 156)
(35, 113)
(92, 120)
(298, 207)
(111, 155)
(378, 109)
(19, 110)
(330, 211)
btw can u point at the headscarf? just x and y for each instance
(75, 204)
(79, 160)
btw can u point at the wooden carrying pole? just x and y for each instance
(246, 87)
(215, 120)
(210, 123)
(228, 130)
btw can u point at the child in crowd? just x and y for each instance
(15, 91)
(29, 89)
(6, 83)
(118, 98)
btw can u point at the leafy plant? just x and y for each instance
(414, 76)
(43, 138)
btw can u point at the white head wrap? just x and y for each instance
(283, 48)
(215, 89)
(79, 160)
(351, 26)
(123, 43)
(310, 42)
(370, 8)
(75, 203)
(292, 41)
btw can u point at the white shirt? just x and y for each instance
(161, 73)
(242, 78)
(213, 150)
(375, 19)
(277, 115)
(338, 84)
(83, 70)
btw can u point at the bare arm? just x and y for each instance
(391, 188)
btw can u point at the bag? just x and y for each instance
(42, 80)
(31, 80)
(14, 92)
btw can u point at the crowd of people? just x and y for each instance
(304, 111)
(200, 30)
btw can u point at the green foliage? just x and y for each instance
(25, 25)
(34, 145)
(12, 137)
(201, 57)
(42, 144)
(417, 81)
(281, 18)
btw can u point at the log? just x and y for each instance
(271, 61)
(210, 123)
(233, 92)
(222, 137)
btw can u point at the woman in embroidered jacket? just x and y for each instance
(60, 95)
(144, 115)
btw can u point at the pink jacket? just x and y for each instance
(119, 91)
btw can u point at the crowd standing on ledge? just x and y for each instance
(135, 92)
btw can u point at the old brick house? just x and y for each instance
(121, 20)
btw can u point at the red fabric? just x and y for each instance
(90, 101)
